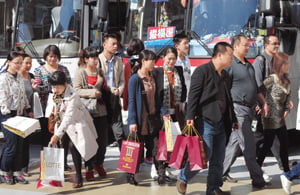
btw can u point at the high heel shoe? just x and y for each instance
(131, 180)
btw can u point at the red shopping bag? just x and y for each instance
(130, 156)
(179, 155)
(162, 153)
(196, 153)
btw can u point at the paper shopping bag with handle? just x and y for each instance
(51, 168)
(130, 155)
(196, 153)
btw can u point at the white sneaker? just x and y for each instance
(286, 184)
(267, 178)
(153, 172)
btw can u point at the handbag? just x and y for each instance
(51, 121)
(90, 104)
(154, 121)
(162, 153)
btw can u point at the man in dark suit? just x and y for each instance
(210, 108)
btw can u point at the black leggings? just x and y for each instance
(269, 135)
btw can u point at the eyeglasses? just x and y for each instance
(275, 43)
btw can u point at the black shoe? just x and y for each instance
(259, 185)
(229, 179)
(67, 168)
(131, 180)
(219, 192)
(165, 179)
(20, 179)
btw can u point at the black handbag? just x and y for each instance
(154, 121)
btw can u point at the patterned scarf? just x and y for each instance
(167, 87)
(58, 100)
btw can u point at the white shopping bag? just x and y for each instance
(22, 126)
(49, 106)
(51, 168)
(172, 129)
(37, 106)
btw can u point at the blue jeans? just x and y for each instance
(293, 173)
(215, 141)
(12, 155)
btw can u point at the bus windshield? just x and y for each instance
(220, 20)
(209, 22)
(38, 23)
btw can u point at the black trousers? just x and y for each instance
(269, 135)
(77, 160)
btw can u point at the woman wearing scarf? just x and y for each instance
(72, 118)
(172, 91)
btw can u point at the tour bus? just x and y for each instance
(76, 24)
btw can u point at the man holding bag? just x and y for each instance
(210, 108)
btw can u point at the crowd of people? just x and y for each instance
(220, 99)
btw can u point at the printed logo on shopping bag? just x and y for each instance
(128, 157)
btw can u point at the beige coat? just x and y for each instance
(118, 72)
(77, 122)
(80, 83)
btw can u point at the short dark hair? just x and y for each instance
(110, 35)
(267, 38)
(220, 47)
(178, 38)
(135, 46)
(170, 50)
(52, 49)
(25, 55)
(237, 39)
(58, 78)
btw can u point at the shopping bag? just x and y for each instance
(196, 153)
(172, 130)
(22, 126)
(51, 168)
(162, 153)
(130, 156)
(49, 106)
(179, 155)
(37, 106)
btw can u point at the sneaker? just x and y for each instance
(153, 172)
(286, 184)
(8, 180)
(229, 179)
(148, 160)
(181, 187)
(100, 170)
(114, 144)
(20, 179)
(267, 178)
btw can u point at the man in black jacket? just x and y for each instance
(210, 108)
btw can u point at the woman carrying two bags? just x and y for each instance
(142, 80)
